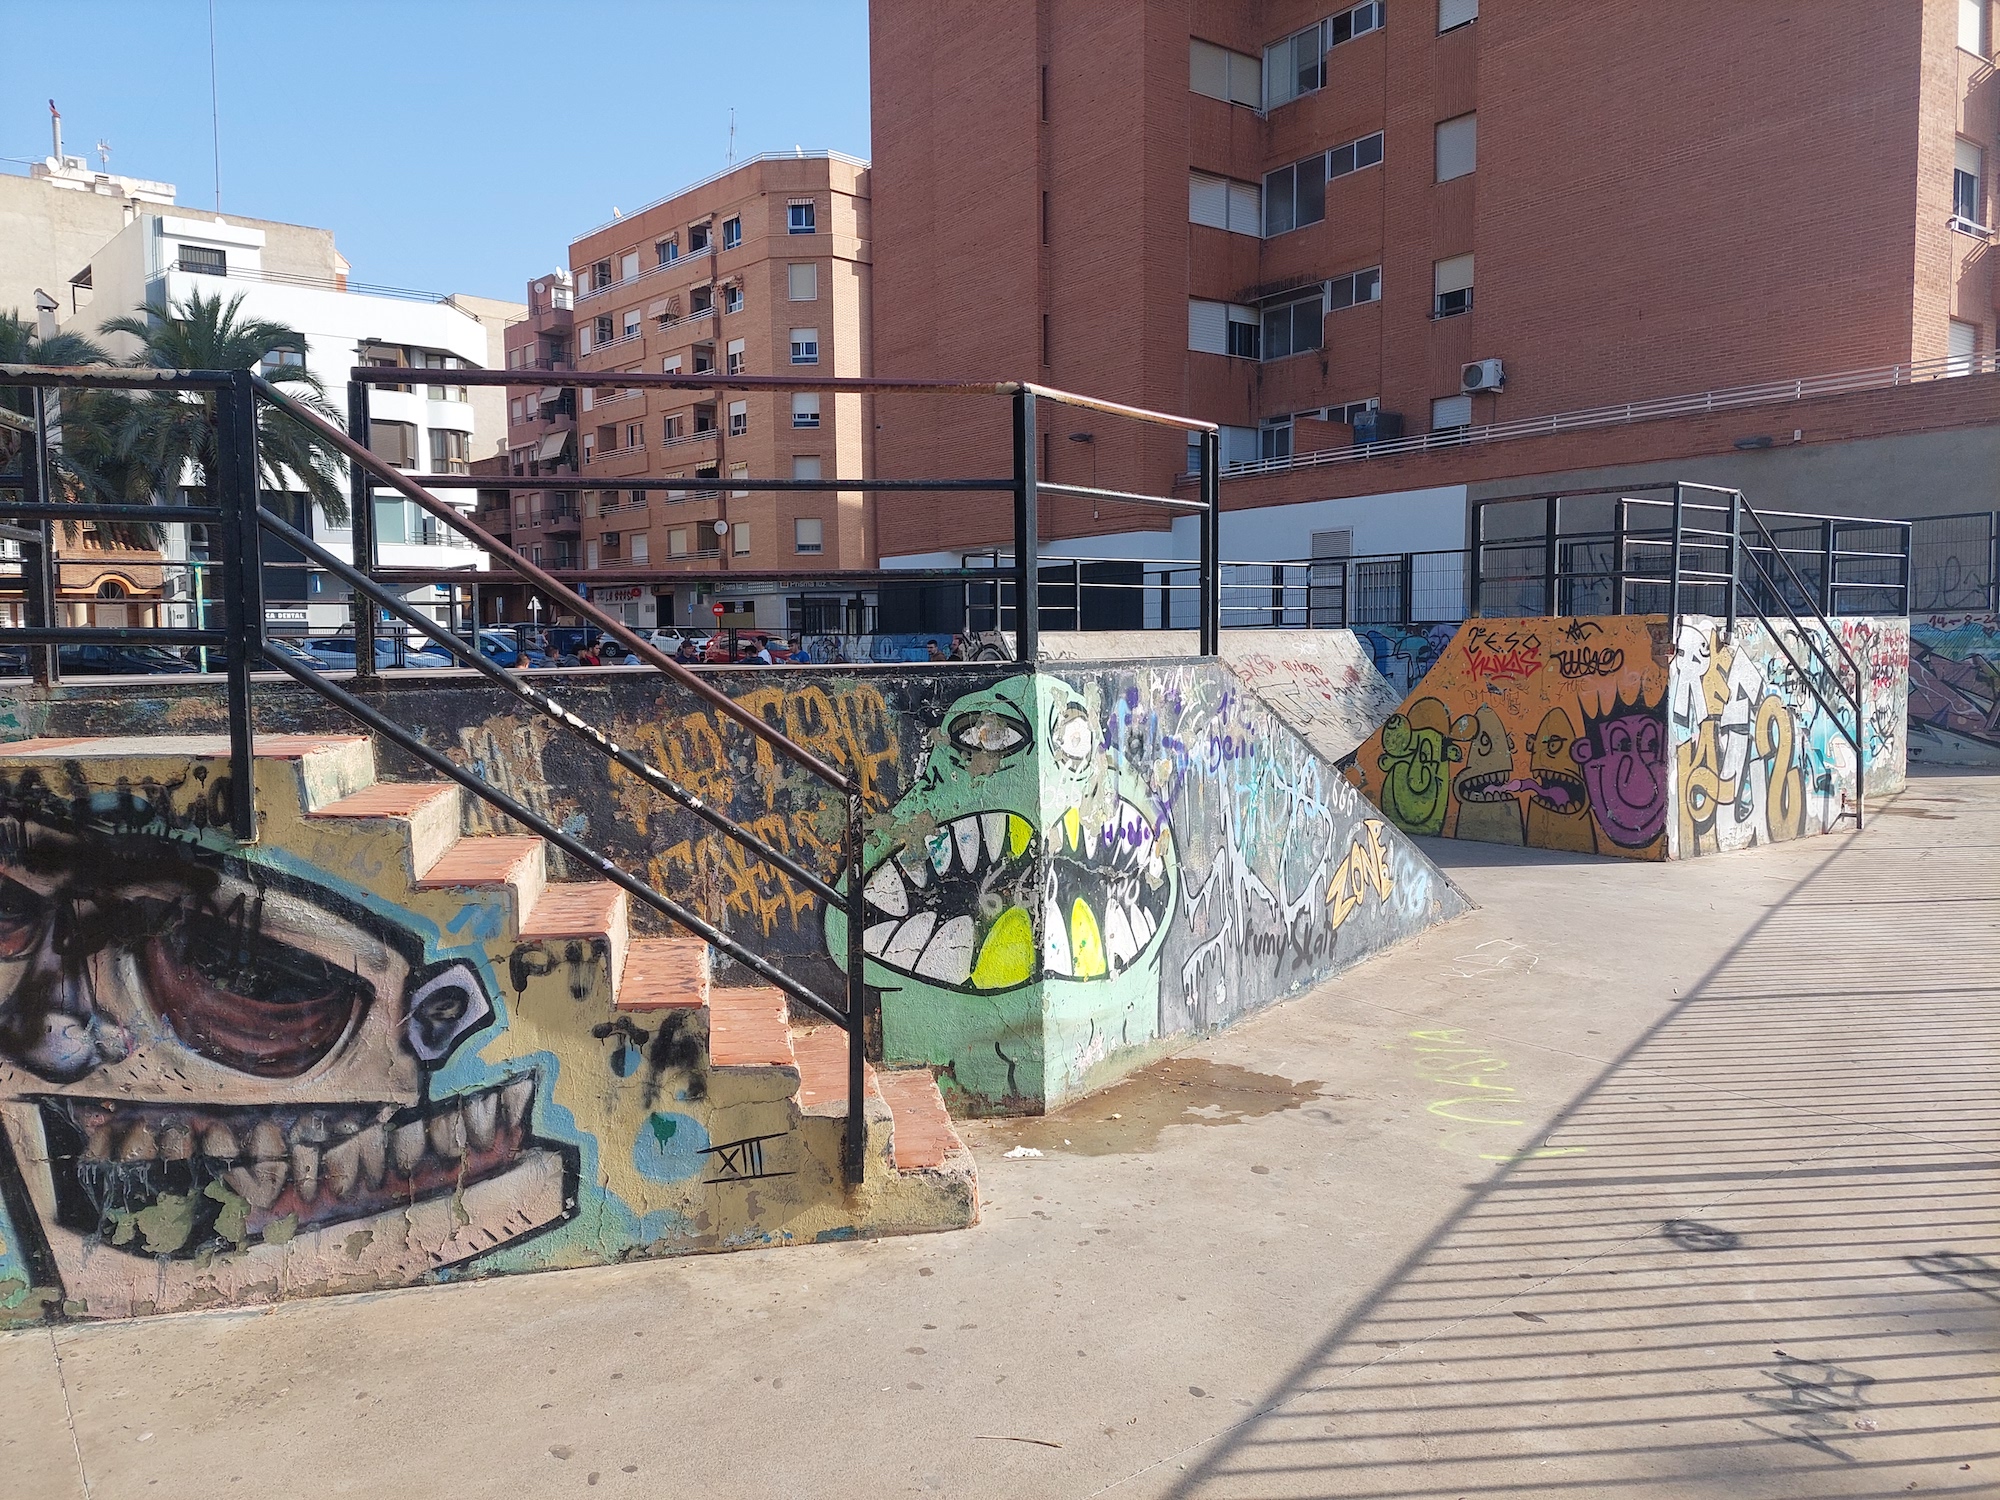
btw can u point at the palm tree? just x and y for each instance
(164, 433)
(85, 463)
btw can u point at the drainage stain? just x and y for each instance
(1129, 1115)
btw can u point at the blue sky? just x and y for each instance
(452, 145)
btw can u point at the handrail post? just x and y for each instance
(361, 521)
(1027, 562)
(1551, 525)
(1735, 552)
(235, 487)
(1408, 585)
(38, 573)
(1476, 573)
(1674, 565)
(857, 994)
(1211, 544)
(1826, 590)
(1618, 555)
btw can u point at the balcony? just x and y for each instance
(680, 260)
(624, 338)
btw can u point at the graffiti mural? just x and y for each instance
(1954, 714)
(1542, 733)
(1759, 756)
(1404, 654)
(1092, 862)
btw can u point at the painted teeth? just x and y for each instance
(948, 955)
(1055, 938)
(446, 1130)
(220, 1141)
(885, 892)
(267, 1142)
(138, 1145)
(482, 1118)
(176, 1143)
(907, 946)
(259, 1184)
(406, 1146)
(993, 826)
(305, 1171)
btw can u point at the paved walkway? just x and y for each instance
(1669, 1181)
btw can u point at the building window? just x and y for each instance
(805, 346)
(284, 358)
(732, 299)
(740, 539)
(1961, 347)
(739, 471)
(451, 452)
(606, 330)
(1355, 288)
(635, 435)
(808, 535)
(1295, 66)
(394, 443)
(701, 299)
(697, 238)
(805, 466)
(732, 233)
(1352, 157)
(632, 320)
(733, 357)
(590, 553)
(1223, 203)
(739, 418)
(1451, 287)
(677, 542)
(800, 218)
(1350, 24)
(1233, 77)
(1274, 438)
(1292, 325)
(671, 365)
(1967, 179)
(802, 282)
(635, 499)
(1450, 413)
(201, 260)
(1457, 147)
(628, 265)
(1453, 14)
(704, 420)
(535, 554)
(1295, 196)
(704, 358)
(1223, 328)
(600, 276)
(1972, 25)
(640, 547)
(611, 547)
(1350, 412)
(675, 427)
(514, 413)
(667, 251)
(805, 409)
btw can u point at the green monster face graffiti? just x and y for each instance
(1416, 785)
(1022, 876)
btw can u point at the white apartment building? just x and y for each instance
(428, 426)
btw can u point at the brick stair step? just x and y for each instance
(268, 747)
(822, 1055)
(924, 1136)
(589, 908)
(748, 1028)
(482, 860)
(388, 799)
(665, 973)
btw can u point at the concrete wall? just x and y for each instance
(1606, 736)
(1955, 690)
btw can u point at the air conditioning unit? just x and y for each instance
(1482, 375)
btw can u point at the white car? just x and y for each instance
(670, 640)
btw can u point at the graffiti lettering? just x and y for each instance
(1364, 868)
(1584, 661)
(1501, 656)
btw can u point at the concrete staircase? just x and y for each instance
(667, 1115)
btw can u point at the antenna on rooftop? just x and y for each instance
(104, 153)
(732, 137)
(55, 130)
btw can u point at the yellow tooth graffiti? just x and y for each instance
(1019, 832)
(1072, 822)
(1086, 945)
(1007, 957)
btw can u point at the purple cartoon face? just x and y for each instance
(1624, 763)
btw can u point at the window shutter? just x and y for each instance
(1208, 200)
(805, 466)
(1208, 69)
(809, 533)
(628, 267)
(1967, 157)
(1246, 208)
(735, 346)
(806, 404)
(1451, 411)
(1454, 275)
(1246, 80)
(1452, 13)
(1457, 147)
(802, 283)
(1208, 327)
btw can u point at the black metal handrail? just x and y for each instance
(240, 523)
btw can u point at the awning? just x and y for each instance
(552, 446)
(551, 393)
(657, 309)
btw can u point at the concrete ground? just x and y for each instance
(1641, 1180)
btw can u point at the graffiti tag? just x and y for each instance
(1502, 656)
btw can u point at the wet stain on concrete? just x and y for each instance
(1129, 1115)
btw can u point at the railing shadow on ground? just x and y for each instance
(1757, 1255)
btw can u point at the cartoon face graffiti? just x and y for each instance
(1623, 757)
(201, 1056)
(1558, 800)
(1416, 754)
(1018, 855)
(1487, 808)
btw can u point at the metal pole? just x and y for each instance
(857, 995)
(1618, 556)
(1477, 582)
(1735, 553)
(1211, 544)
(1826, 567)
(1551, 521)
(1027, 561)
(38, 573)
(1674, 566)
(1408, 583)
(234, 487)
(361, 517)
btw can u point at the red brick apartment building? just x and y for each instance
(1431, 216)
(761, 270)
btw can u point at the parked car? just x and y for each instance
(336, 653)
(503, 648)
(120, 659)
(672, 638)
(747, 644)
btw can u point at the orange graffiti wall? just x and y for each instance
(1547, 733)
